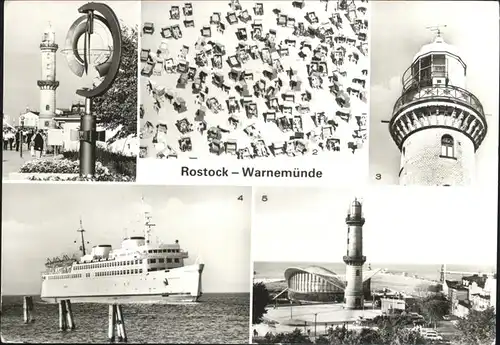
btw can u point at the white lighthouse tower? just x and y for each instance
(437, 124)
(47, 82)
(354, 259)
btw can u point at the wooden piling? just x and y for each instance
(62, 316)
(111, 322)
(27, 309)
(122, 334)
(70, 321)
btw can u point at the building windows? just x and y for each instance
(161, 260)
(357, 273)
(447, 146)
(176, 260)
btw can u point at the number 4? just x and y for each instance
(240, 198)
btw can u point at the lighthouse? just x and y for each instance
(48, 83)
(354, 259)
(437, 124)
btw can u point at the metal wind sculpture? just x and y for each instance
(98, 20)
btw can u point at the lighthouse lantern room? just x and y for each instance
(437, 123)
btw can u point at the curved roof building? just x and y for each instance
(315, 283)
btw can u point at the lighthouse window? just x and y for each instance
(357, 273)
(47, 107)
(439, 64)
(447, 146)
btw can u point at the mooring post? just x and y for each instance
(62, 315)
(111, 322)
(27, 308)
(121, 324)
(69, 315)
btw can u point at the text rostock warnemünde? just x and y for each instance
(252, 172)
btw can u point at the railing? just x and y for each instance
(49, 45)
(453, 93)
(354, 258)
(351, 218)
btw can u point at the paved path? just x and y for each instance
(11, 161)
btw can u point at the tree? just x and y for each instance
(434, 307)
(295, 337)
(477, 328)
(261, 299)
(117, 108)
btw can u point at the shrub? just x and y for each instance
(116, 162)
(96, 178)
(65, 166)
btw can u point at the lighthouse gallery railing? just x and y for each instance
(438, 92)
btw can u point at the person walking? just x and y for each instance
(45, 141)
(17, 137)
(5, 139)
(29, 136)
(10, 138)
(38, 144)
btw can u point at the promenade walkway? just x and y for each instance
(11, 161)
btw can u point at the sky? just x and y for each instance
(40, 221)
(398, 30)
(413, 225)
(22, 59)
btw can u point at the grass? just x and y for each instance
(115, 162)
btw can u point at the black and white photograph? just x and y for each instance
(254, 80)
(70, 90)
(374, 266)
(87, 263)
(434, 93)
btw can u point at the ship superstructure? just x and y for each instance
(137, 272)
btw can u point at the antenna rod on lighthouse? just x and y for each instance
(81, 231)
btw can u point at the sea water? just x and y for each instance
(217, 318)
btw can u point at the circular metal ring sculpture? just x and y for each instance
(109, 60)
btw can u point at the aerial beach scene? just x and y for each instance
(157, 274)
(367, 262)
(248, 80)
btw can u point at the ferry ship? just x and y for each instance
(138, 272)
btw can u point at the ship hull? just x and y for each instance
(172, 286)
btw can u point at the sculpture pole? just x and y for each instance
(88, 142)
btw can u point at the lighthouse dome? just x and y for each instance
(438, 45)
(49, 34)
